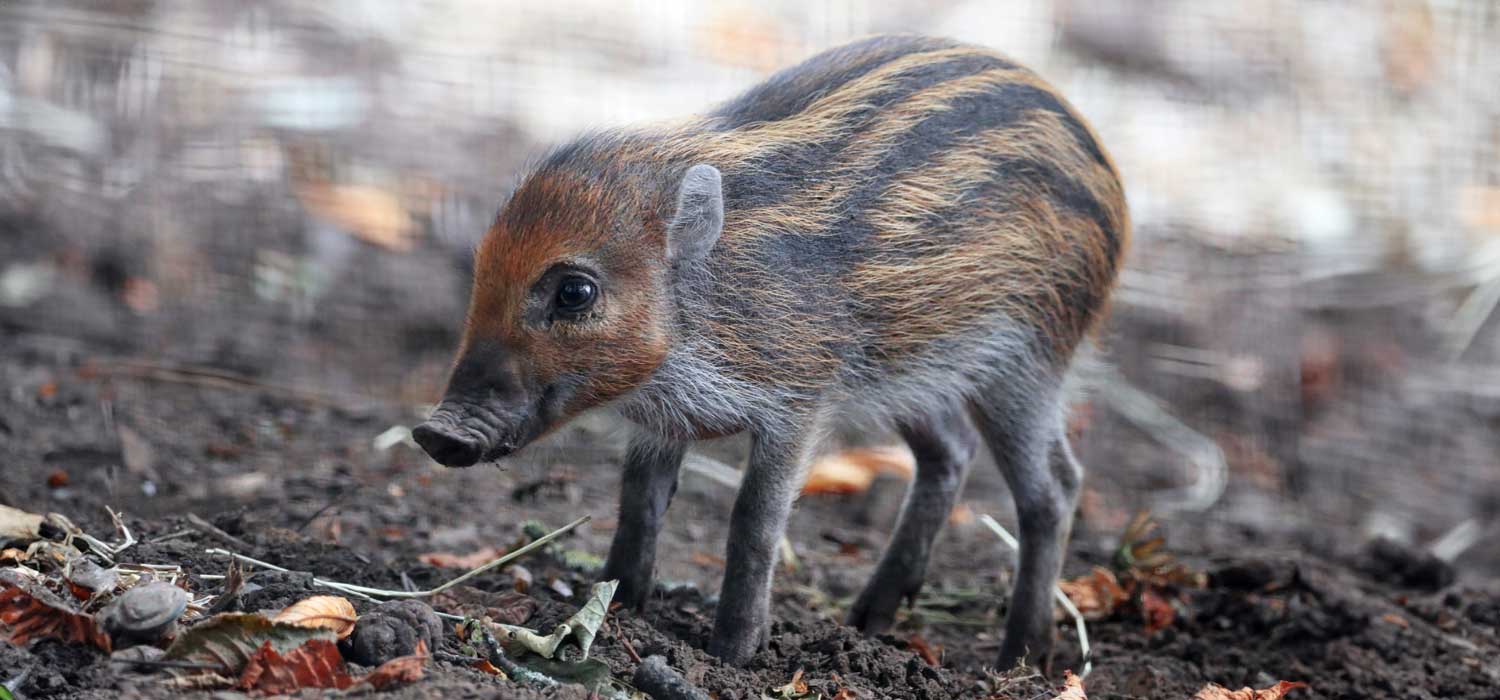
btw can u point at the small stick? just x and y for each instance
(629, 649)
(1057, 592)
(1143, 410)
(367, 591)
(655, 678)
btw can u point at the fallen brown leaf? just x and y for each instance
(484, 666)
(326, 611)
(369, 213)
(512, 608)
(400, 670)
(795, 689)
(315, 664)
(32, 612)
(1156, 610)
(1214, 691)
(1072, 688)
(462, 561)
(853, 470)
(932, 655)
(1096, 594)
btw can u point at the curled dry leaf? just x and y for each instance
(19, 525)
(795, 689)
(1072, 688)
(315, 664)
(1214, 691)
(484, 666)
(472, 560)
(229, 640)
(512, 608)
(31, 612)
(1096, 594)
(580, 629)
(400, 670)
(932, 655)
(852, 471)
(1156, 610)
(327, 611)
(372, 214)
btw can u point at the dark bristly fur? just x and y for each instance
(905, 231)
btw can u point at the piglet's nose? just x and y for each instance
(447, 445)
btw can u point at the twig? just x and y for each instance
(213, 531)
(128, 539)
(629, 648)
(1457, 540)
(367, 592)
(1146, 413)
(1057, 592)
(655, 678)
(170, 536)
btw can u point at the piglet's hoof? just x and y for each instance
(391, 630)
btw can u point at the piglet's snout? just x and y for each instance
(448, 441)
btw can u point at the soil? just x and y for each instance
(298, 483)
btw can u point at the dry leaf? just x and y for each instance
(844, 694)
(1156, 610)
(400, 670)
(316, 664)
(369, 213)
(484, 666)
(508, 607)
(32, 612)
(471, 560)
(580, 628)
(1096, 594)
(326, 611)
(795, 689)
(16, 524)
(1214, 691)
(230, 639)
(512, 608)
(852, 471)
(932, 655)
(1072, 688)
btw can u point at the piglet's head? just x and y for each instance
(571, 307)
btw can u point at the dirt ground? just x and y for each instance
(298, 480)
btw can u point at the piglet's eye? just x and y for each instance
(576, 295)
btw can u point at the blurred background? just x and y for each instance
(1304, 346)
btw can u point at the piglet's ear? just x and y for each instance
(700, 215)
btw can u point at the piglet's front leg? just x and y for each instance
(651, 467)
(742, 622)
